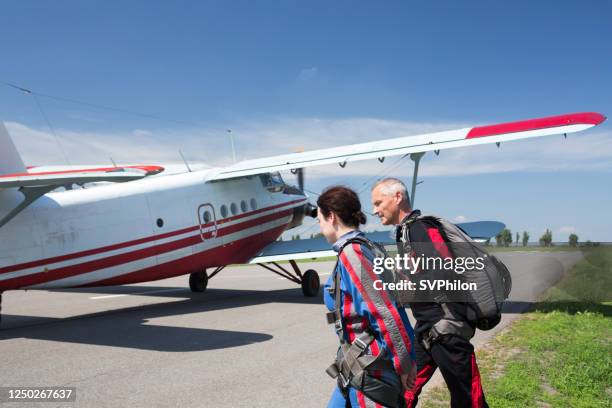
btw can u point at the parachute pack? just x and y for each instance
(485, 284)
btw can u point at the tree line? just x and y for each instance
(504, 239)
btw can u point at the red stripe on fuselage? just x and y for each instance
(91, 266)
(197, 262)
(584, 118)
(108, 248)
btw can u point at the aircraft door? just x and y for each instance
(208, 222)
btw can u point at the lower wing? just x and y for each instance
(311, 248)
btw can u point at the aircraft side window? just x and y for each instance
(276, 178)
(234, 208)
(253, 204)
(243, 206)
(207, 217)
(224, 211)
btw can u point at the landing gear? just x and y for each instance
(309, 281)
(198, 281)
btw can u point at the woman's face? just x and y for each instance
(327, 225)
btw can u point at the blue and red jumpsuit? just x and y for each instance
(366, 308)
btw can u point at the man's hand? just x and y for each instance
(409, 378)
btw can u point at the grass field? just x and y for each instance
(559, 354)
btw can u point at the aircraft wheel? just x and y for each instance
(310, 283)
(198, 281)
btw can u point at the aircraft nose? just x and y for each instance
(310, 210)
(300, 212)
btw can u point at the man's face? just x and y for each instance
(386, 207)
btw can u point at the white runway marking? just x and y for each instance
(136, 293)
(321, 274)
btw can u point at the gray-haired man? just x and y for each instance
(437, 346)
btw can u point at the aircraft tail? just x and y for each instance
(10, 163)
(10, 160)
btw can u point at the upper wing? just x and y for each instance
(53, 179)
(319, 247)
(504, 132)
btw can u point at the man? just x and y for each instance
(442, 332)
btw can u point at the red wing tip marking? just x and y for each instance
(582, 118)
(149, 170)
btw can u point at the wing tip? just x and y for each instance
(579, 118)
(597, 117)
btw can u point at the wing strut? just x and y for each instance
(416, 158)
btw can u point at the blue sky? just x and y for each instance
(291, 74)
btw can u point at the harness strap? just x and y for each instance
(402, 235)
(351, 363)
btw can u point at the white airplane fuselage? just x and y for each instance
(144, 230)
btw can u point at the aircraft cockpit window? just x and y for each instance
(234, 208)
(273, 182)
(224, 211)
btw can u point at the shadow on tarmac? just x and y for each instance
(130, 328)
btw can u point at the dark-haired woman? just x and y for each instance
(375, 363)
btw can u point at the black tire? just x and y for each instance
(198, 281)
(310, 283)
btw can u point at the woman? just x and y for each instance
(375, 363)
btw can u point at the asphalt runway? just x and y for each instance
(251, 340)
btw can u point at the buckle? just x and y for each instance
(343, 380)
(338, 326)
(427, 339)
(360, 343)
(428, 336)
